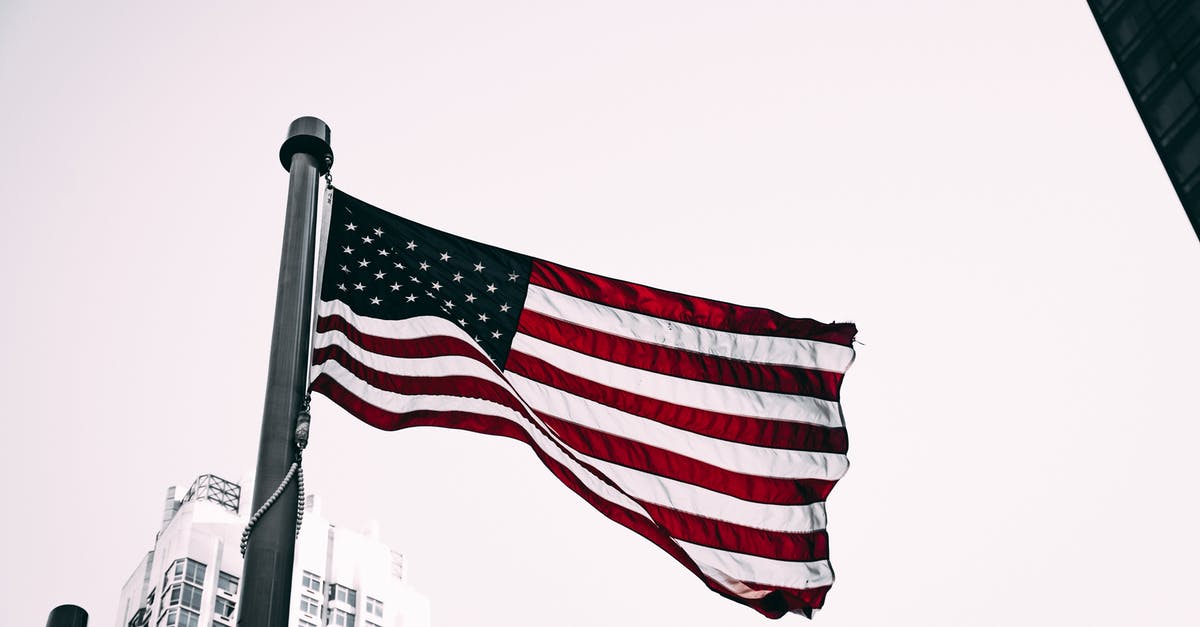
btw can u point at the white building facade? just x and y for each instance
(192, 576)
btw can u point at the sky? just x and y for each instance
(967, 181)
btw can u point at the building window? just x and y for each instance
(346, 595)
(311, 581)
(375, 607)
(342, 618)
(304, 623)
(195, 573)
(224, 608)
(309, 606)
(179, 618)
(184, 569)
(183, 594)
(227, 583)
(1170, 107)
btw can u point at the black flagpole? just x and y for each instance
(267, 576)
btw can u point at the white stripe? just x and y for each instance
(694, 499)
(406, 329)
(736, 456)
(698, 394)
(644, 328)
(438, 366)
(761, 570)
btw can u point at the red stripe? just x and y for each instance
(702, 312)
(773, 605)
(429, 346)
(658, 461)
(719, 534)
(744, 429)
(681, 363)
(783, 600)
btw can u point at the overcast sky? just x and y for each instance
(967, 181)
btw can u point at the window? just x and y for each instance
(375, 607)
(311, 581)
(309, 606)
(184, 569)
(184, 594)
(179, 618)
(227, 583)
(1129, 25)
(346, 595)
(304, 623)
(342, 618)
(223, 608)
(1170, 107)
(1151, 61)
(195, 573)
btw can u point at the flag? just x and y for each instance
(713, 430)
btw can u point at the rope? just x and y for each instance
(302, 425)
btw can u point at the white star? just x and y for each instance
(504, 308)
(483, 317)
(457, 277)
(470, 298)
(435, 285)
(379, 275)
(399, 266)
(512, 276)
(347, 250)
(412, 245)
(462, 322)
(363, 263)
(414, 279)
(351, 227)
(477, 340)
(367, 239)
(379, 231)
(359, 286)
(383, 252)
(479, 267)
(445, 256)
(410, 298)
(345, 269)
(375, 300)
(450, 304)
(342, 286)
(429, 294)
(395, 287)
(496, 334)
(491, 288)
(424, 266)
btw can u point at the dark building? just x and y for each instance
(1156, 44)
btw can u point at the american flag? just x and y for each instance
(713, 430)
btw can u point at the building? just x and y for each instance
(1156, 44)
(191, 577)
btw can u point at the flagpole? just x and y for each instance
(267, 575)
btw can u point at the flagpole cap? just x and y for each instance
(307, 135)
(67, 616)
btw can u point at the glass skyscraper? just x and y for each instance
(1156, 44)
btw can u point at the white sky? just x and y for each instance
(968, 181)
